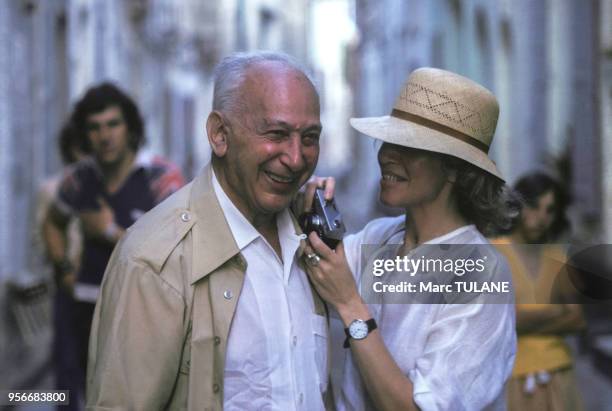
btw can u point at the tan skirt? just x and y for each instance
(559, 394)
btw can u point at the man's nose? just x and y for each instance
(106, 132)
(294, 153)
(542, 216)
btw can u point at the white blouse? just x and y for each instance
(458, 356)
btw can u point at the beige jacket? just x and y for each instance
(160, 327)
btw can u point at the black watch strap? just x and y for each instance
(371, 323)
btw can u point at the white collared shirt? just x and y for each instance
(458, 356)
(277, 349)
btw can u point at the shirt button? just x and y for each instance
(217, 340)
(301, 398)
(294, 340)
(185, 216)
(216, 387)
(228, 294)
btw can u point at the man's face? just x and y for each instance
(272, 140)
(108, 135)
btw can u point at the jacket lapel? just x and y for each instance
(217, 276)
(215, 257)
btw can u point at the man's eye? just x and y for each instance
(276, 133)
(310, 139)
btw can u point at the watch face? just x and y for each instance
(358, 330)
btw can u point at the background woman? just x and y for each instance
(543, 377)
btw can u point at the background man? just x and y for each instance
(107, 192)
(204, 304)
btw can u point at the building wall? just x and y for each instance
(540, 58)
(605, 95)
(162, 52)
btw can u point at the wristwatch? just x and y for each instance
(358, 330)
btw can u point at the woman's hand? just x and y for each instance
(331, 276)
(388, 387)
(303, 202)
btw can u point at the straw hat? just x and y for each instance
(442, 112)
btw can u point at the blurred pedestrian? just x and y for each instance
(107, 192)
(72, 149)
(543, 376)
(65, 363)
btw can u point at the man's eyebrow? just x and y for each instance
(273, 122)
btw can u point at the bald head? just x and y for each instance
(232, 71)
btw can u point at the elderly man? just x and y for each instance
(204, 305)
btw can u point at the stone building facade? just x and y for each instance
(162, 52)
(547, 61)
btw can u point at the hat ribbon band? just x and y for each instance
(439, 127)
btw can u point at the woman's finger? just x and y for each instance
(340, 250)
(330, 187)
(308, 250)
(320, 247)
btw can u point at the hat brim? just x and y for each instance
(408, 134)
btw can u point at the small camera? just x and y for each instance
(325, 220)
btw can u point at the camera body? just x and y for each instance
(324, 219)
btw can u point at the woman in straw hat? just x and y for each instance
(434, 165)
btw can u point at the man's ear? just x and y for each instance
(217, 133)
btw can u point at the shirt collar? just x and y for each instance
(142, 160)
(448, 236)
(244, 233)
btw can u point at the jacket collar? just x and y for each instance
(213, 242)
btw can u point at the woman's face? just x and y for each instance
(537, 218)
(409, 177)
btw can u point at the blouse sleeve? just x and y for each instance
(468, 356)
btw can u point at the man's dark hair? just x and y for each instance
(101, 97)
(68, 139)
(533, 185)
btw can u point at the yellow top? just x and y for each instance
(536, 352)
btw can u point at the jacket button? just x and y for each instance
(185, 216)
(216, 387)
(217, 340)
(227, 294)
